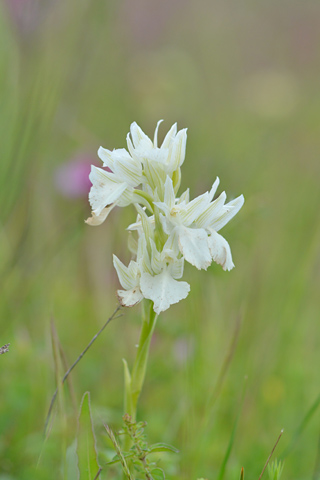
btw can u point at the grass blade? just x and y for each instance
(312, 410)
(88, 464)
(233, 433)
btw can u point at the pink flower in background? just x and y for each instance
(72, 177)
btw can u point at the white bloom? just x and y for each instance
(169, 157)
(193, 224)
(169, 229)
(115, 187)
(220, 250)
(162, 286)
(129, 278)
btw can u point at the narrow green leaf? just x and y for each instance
(58, 370)
(162, 447)
(117, 458)
(86, 443)
(299, 431)
(232, 437)
(72, 471)
(61, 396)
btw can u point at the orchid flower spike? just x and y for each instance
(170, 229)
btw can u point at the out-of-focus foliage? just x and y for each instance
(243, 77)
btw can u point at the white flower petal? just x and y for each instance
(220, 250)
(132, 243)
(184, 197)
(106, 156)
(193, 244)
(128, 276)
(168, 227)
(139, 138)
(147, 225)
(95, 220)
(178, 150)
(155, 138)
(211, 212)
(228, 211)
(214, 188)
(169, 197)
(163, 290)
(127, 168)
(143, 255)
(155, 176)
(172, 244)
(129, 298)
(155, 155)
(176, 269)
(170, 136)
(127, 197)
(194, 209)
(106, 189)
(138, 224)
(156, 260)
(130, 146)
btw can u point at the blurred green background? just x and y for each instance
(244, 78)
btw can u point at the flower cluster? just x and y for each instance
(169, 229)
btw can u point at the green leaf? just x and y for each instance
(72, 471)
(158, 474)
(117, 459)
(162, 447)
(275, 470)
(86, 443)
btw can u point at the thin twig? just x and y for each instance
(268, 460)
(75, 363)
(98, 473)
(69, 380)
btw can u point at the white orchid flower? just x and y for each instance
(114, 187)
(178, 223)
(169, 157)
(129, 278)
(168, 230)
(194, 225)
(161, 286)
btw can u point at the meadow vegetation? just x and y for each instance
(243, 349)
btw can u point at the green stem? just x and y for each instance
(134, 382)
(149, 318)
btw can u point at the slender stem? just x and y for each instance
(140, 365)
(135, 381)
(268, 460)
(75, 363)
